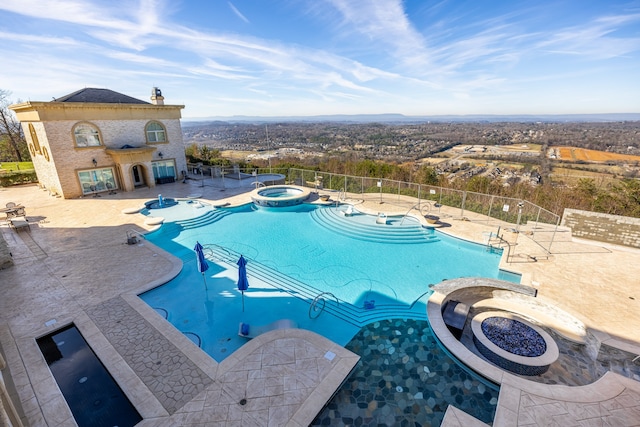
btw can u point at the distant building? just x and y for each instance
(98, 140)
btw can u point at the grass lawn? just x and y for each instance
(16, 166)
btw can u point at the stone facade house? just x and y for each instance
(98, 140)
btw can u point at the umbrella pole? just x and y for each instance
(205, 281)
(242, 301)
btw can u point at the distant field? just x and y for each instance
(526, 148)
(582, 154)
(572, 176)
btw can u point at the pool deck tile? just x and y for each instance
(75, 259)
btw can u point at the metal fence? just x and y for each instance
(518, 213)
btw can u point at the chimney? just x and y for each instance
(156, 96)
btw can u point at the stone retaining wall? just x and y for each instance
(615, 229)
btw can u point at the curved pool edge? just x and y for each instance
(176, 267)
(302, 194)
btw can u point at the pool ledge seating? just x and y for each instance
(247, 331)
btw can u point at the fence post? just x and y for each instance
(533, 235)
(464, 198)
(491, 205)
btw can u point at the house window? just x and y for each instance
(155, 133)
(86, 135)
(164, 169)
(96, 180)
(34, 138)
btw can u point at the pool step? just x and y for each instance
(357, 316)
(200, 221)
(364, 227)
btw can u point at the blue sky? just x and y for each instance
(311, 57)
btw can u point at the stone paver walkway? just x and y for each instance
(168, 373)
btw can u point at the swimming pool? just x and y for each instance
(369, 281)
(355, 270)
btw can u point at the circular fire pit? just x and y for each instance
(513, 343)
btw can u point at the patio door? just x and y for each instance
(136, 173)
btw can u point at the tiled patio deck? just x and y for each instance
(75, 266)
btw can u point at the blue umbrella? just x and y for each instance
(203, 265)
(243, 283)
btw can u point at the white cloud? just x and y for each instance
(371, 54)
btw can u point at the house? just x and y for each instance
(98, 140)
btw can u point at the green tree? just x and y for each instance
(13, 146)
(192, 152)
(428, 175)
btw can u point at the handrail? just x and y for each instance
(314, 304)
(418, 299)
(419, 209)
(503, 241)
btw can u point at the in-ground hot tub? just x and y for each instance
(280, 195)
(512, 343)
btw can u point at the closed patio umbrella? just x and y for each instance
(243, 283)
(203, 265)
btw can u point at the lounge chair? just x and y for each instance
(18, 223)
(247, 331)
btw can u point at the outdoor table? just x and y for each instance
(14, 211)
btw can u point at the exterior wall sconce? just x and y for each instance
(160, 155)
(95, 162)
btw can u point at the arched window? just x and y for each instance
(155, 133)
(86, 135)
(34, 138)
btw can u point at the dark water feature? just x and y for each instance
(91, 392)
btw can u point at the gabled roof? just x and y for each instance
(94, 95)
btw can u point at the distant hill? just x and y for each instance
(400, 118)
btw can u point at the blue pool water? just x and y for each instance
(361, 284)
(370, 271)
